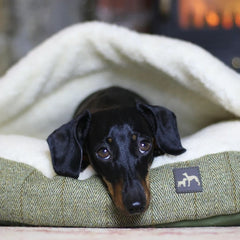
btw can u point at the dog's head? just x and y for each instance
(120, 145)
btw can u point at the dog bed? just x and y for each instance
(198, 188)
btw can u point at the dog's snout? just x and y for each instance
(136, 207)
(134, 198)
(130, 197)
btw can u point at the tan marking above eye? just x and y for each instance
(109, 140)
(134, 137)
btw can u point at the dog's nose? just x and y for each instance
(136, 207)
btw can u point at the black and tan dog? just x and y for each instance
(118, 133)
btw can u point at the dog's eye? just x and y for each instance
(144, 146)
(103, 153)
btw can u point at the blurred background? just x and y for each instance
(212, 24)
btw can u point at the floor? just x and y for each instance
(25, 233)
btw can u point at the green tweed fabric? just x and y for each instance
(27, 197)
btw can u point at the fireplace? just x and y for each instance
(200, 14)
(212, 24)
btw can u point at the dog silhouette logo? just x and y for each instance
(187, 180)
(182, 183)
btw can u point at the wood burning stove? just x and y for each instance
(212, 24)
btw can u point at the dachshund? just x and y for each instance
(118, 133)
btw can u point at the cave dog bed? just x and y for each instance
(198, 188)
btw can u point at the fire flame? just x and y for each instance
(212, 19)
(211, 13)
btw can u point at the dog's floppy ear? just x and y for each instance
(66, 146)
(164, 126)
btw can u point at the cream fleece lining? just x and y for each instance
(41, 92)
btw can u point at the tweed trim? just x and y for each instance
(27, 197)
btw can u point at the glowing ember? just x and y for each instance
(237, 19)
(227, 20)
(212, 19)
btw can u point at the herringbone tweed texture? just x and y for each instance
(27, 197)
